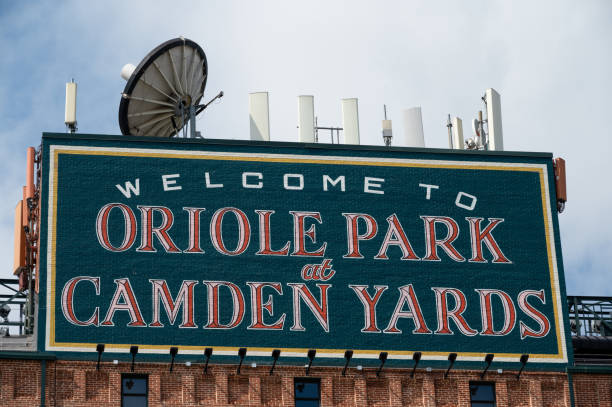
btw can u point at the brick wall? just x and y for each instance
(592, 390)
(78, 384)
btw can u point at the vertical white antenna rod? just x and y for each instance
(350, 120)
(306, 120)
(259, 116)
(494, 120)
(70, 112)
(449, 126)
(457, 128)
(413, 128)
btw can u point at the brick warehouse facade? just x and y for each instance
(78, 383)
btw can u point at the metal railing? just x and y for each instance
(590, 316)
(9, 302)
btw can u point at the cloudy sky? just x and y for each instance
(550, 61)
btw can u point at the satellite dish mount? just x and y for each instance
(189, 111)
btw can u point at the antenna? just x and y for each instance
(387, 131)
(477, 142)
(308, 123)
(482, 141)
(449, 126)
(494, 120)
(413, 128)
(475, 127)
(163, 92)
(455, 132)
(306, 119)
(350, 120)
(259, 116)
(491, 138)
(457, 128)
(70, 112)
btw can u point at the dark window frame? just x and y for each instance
(298, 380)
(477, 403)
(135, 395)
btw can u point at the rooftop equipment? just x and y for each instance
(413, 128)
(495, 137)
(306, 119)
(457, 130)
(308, 126)
(163, 92)
(127, 71)
(387, 131)
(70, 111)
(259, 116)
(455, 133)
(350, 120)
(560, 184)
(490, 138)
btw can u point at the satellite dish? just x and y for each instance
(164, 90)
(475, 126)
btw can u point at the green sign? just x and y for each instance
(222, 244)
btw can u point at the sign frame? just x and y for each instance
(304, 154)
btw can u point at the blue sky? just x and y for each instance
(549, 60)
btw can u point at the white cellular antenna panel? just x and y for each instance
(350, 120)
(457, 131)
(306, 124)
(413, 128)
(387, 131)
(259, 116)
(494, 120)
(70, 113)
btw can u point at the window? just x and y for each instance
(482, 394)
(307, 392)
(134, 390)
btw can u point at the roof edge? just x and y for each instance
(276, 144)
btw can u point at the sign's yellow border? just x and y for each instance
(51, 344)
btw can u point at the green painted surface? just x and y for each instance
(81, 176)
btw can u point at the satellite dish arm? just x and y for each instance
(195, 110)
(200, 108)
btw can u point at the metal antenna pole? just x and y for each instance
(387, 135)
(184, 130)
(331, 129)
(483, 139)
(485, 136)
(192, 124)
(449, 125)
